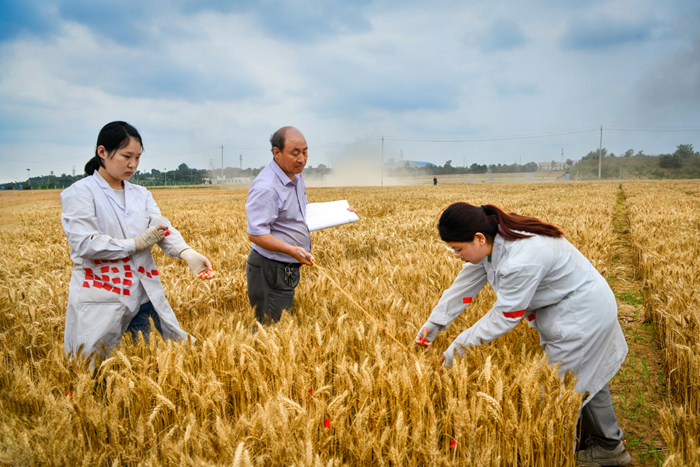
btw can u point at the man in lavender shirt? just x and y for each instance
(276, 209)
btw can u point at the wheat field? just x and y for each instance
(324, 386)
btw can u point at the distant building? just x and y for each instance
(394, 164)
(551, 166)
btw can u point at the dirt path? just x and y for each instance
(639, 389)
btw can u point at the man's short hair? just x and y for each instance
(278, 138)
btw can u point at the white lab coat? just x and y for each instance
(563, 297)
(103, 297)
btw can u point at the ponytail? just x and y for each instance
(113, 136)
(459, 222)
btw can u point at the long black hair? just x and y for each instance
(459, 222)
(113, 136)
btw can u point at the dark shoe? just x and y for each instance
(596, 456)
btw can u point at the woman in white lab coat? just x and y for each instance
(539, 276)
(111, 226)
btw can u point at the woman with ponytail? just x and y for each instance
(539, 276)
(111, 226)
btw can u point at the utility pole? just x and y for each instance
(382, 161)
(165, 176)
(600, 153)
(74, 171)
(28, 179)
(222, 165)
(562, 154)
(240, 156)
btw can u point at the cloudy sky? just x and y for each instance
(485, 82)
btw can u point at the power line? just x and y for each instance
(497, 138)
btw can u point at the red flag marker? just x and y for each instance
(128, 274)
(422, 341)
(317, 348)
(326, 423)
(117, 280)
(141, 269)
(112, 260)
(127, 282)
(97, 261)
(116, 290)
(166, 234)
(115, 270)
(88, 271)
(148, 274)
(86, 285)
(105, 278)
(453, 444)
(104, 269)
(89, 277)
(155, 272)
(311, 393)
(126, 260)
(107, 287)
(126, 292)
(97, 285)
(127, 267)
(69, 393)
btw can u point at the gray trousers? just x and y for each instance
(599, 420)
(271, 286)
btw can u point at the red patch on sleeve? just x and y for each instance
(155, 272)
(166, 234)
(467, 300)
(107, 287)
(126, 292)
(97, 284)
(127, 282)
(127, 267)
(86, 285)
(104, 269)
(116, 290)
(128, 274)
(88, 271)
(514, 314)
(115, 270)
(126, 260)
(148, 274)
(141, 269)
(531, 317)
(117, 280)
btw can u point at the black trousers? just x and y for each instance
(271, 286)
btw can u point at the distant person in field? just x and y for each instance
(434, 181)
(111, 226)
(276, 210)
(539, 276)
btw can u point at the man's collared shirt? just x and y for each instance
(277, 205)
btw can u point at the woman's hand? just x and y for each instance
(422, 339)
(150, 237)
(199, 264)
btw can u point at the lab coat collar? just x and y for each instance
(109, 191)
(498, 247)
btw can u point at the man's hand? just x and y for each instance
(351, 209)
(301, 255)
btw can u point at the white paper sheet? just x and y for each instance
(323, 215)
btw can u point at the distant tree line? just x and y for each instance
(449, 169)
(683, 163)
(183, 175)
